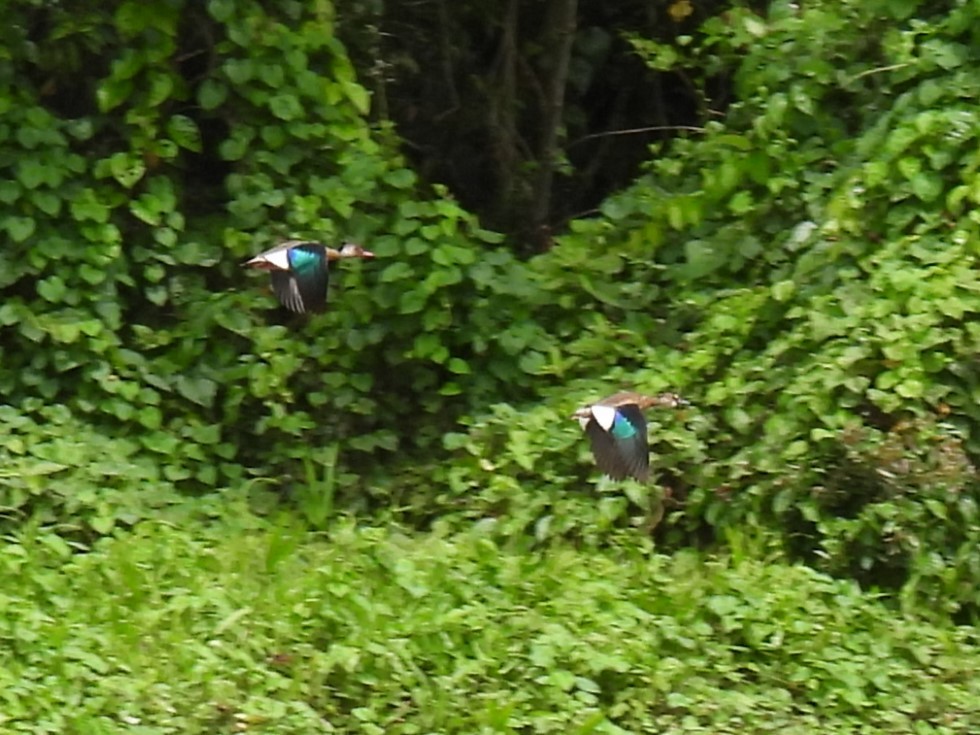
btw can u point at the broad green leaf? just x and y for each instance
(909, 166)
(10, 191)
(52, 289)
(945, 54)
(401, 178)
(20, 228)
(412, 301)
(64, 332)
(239, 71)
(741, 203)
(102, 524)
(397, 271)
(221, 10)
(160, 89)
(783, 291)
(47, 202)
(358, 95)
(234, 148)
(31, 172)
(197, 389)
(928, 186)
(910, 388)
(273, 75)
(285, 106)
(146, 208)
(416, 246)
(131, 17)
(86, 206)
(212, 94)
(163, 148)
(127, 168)
(675, 215)
(112, 93)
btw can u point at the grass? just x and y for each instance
(243, 626)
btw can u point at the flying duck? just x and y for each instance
(299, 270)
(617, 430)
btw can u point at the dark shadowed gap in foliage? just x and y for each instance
(65, 52)
(466, 86)
(196, 60)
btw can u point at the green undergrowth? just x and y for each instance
(803, 268)
(804, 271)
(243, 626)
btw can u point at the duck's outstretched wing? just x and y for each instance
(303, 288)
(287, 291)
(622, 451)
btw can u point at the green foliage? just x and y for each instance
(264, 628)
(805, 273)
(843, 373)
(58, 472)
(149, 148)
(803, 270)
(902, 508)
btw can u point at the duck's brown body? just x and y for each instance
(641, 400)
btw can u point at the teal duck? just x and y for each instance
(617, 431)
(299, 270)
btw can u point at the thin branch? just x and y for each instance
(633, 131)
(190, 55)
(879, 70)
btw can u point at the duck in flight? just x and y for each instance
(617, 431)
(300, 271)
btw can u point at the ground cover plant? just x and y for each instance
(256, 627)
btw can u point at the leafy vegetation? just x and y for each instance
(805, 273)
(261, 628)
(802, 267)
(135, 195)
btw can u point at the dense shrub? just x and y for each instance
(805, 273)
(264, 629)
(147, 149)
(803, 270)
(58, 472)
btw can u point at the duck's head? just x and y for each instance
(583, 415)
(351, 250)
(664, 400)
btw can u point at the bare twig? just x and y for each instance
(633, 131)
(879, 70)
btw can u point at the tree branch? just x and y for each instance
(633, 131)
(564, 19)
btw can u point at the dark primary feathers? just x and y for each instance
(300, 271)
(617, 431)
(621, 451)
(303, 288)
